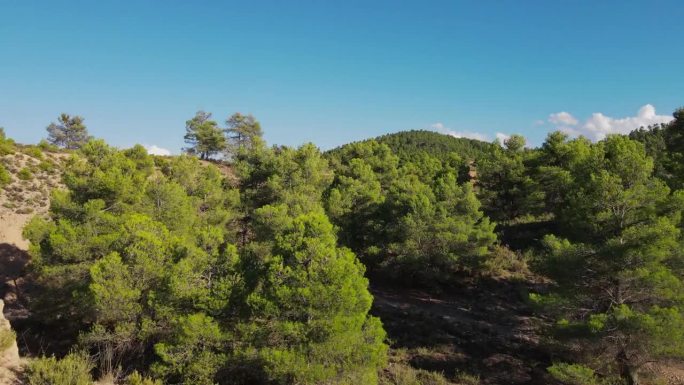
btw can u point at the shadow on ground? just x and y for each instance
(485, 329)
(13, 261)
(17, 289)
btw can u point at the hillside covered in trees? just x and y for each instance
(412, 145)
(414, 258)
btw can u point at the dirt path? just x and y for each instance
(11, 226)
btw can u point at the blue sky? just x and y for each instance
(332, 72)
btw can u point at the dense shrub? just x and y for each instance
(47, 147)
(47, 166)
(34, 152)
(504, 262)
(5, 177)
(6, 144)
(73, 369)
(573, 374)
(25, 174)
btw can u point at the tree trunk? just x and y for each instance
(627, 371)
(632, 377)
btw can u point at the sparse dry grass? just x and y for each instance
(30, 179)
(31, 175)
(7, 338)
(400, 370)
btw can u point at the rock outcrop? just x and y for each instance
(10, 363)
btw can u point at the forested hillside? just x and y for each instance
(414, 258)
(411, 145)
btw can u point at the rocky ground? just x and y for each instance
(10, 363)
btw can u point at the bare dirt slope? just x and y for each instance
(34, 174)
(32, 179)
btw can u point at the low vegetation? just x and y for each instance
(7, 145)
(73, 369)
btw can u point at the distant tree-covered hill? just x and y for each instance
(410, 145)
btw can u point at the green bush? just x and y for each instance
(573, 374)
(7, 338)
(504, 262)
(46, 146)
(5, 177)
(25, 174)
(74, 369)
(137, 379)
(33, 152)
(6, 144)
(46, 166)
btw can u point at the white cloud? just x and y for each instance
(570, 131)
(156, 150)
(501, 137)
(564, 118)
(468, 135)
(439, 127)
(598, 126)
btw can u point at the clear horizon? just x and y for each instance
(335, 73)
